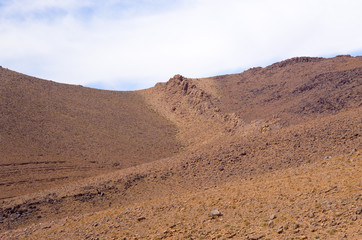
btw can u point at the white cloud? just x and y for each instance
(134, 44)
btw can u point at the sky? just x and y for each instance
(133, 44)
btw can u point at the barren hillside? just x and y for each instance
(270, 153)
(53, 133)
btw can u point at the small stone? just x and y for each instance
(215, 213)
(257, 237)
(273, 217)
(296, 231)
(271, 224)
(311, 214)
(141, 218)
(359, 211)
(343, 235)
(296, 226)
(354, 218)
(280, 230)
(232, 235)
(303, 237)
(286, 227)
(338, 214)
(333, 223)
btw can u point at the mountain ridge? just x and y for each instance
(230, 134)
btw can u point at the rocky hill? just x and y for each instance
(270, 153)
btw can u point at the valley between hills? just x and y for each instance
(269, 153)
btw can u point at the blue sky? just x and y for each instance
(129, 45)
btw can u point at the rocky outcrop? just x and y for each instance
(185, 97)
(294, 60)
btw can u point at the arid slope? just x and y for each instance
(276, 150)
(53, 133)
(293, 90)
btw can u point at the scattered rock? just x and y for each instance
(354, 218)
(141, 219)
(273, 217)
(286, 226)
(256, 237)
(338, 214)
(359, 211)
(215, 213)
(343, 235)
(271, 224)
(280, 230)
(311, 214)
(231, 235)
(303, 237)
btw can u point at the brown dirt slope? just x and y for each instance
(53, 133)
(287, 168)
(293, 90)
(320, 200)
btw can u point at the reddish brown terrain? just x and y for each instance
(55, 133)
(270, 153)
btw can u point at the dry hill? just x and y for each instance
(270, 153)
(54, 133)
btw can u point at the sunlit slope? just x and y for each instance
(292, 90)
(51, 132)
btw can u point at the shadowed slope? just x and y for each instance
(52, 132)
